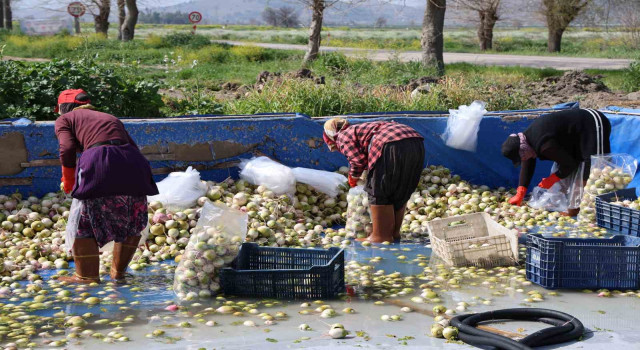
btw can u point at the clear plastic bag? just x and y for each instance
(262, 171)
(180, 190)
(609, 172)
(213, 245)
(322, 181)
(463, 125)
(565, 194)
(358, 214)
(71, 231)
(143, 238)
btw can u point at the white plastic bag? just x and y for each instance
(565, 194)
(213, 245)
(322, 181)
(463, 125)
(262, 171)
(71, 231)
(358, 214)
(180, 190)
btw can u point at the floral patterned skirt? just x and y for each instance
(112, 218)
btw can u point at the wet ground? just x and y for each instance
(611, 322)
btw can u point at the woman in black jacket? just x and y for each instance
(568, 138)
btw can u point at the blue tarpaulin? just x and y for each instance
(213, 143)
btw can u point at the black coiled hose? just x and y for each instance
(565, 328)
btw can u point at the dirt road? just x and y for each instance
(557, 62)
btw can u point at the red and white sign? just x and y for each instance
(195, 17)
(76, 9)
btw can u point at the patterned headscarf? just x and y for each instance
(526, 151)
(331, 129)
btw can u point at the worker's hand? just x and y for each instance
(68, 179)
(548, 182)
(519, 197)
(353, 182)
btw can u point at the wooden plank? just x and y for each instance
(160, 157)
(16, 181)
(199, 167)
(430, 313)
(41, 162)
(56, 162)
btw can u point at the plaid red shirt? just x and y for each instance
(355, 142)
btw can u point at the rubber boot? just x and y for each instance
(122, 254)
(383, 220)
(87, 258)
(571, 212)
(399, 218)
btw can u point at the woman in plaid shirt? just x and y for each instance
(393, 154)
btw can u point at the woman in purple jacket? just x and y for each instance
(111, 180)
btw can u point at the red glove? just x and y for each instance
(68, 178)
(353, 182)
(547, 182)
(519, 197)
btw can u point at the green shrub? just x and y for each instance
(631, 80)
(338, 98)
(251, 53)
(30, 90)
(178, 39)
(334, 61)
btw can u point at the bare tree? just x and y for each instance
(288, 17)
(121, 16)
(129, 25)
(631, 20)
(1, 14)
(270, 16)
(559, 14)
(100, 10)
(487, 17)
(380, 22)
(433, 34)
(315, 28)
(8, 15)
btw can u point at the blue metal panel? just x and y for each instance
(296, 140)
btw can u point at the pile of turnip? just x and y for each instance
(209, 250)
(358, 214)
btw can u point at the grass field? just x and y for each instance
(191, 71)
(528, 41)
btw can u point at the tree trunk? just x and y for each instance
(555, 39)
(129, 26)
(488, 21)
(8, 15)
(1, 14)
(121, 15)
(433, 34)
(315, 30)
(102, 18)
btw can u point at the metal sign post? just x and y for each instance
(195, 17)
(76, 9)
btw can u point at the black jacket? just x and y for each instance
(568, 138)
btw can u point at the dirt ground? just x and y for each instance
(577, 86)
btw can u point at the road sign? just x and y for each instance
(76, 9)
(195, 17)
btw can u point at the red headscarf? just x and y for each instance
(69, 96)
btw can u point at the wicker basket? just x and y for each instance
(473, 239)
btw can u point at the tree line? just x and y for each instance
(558, 15)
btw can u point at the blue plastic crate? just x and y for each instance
(285, 273)
(574, 263)
(617, 218)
